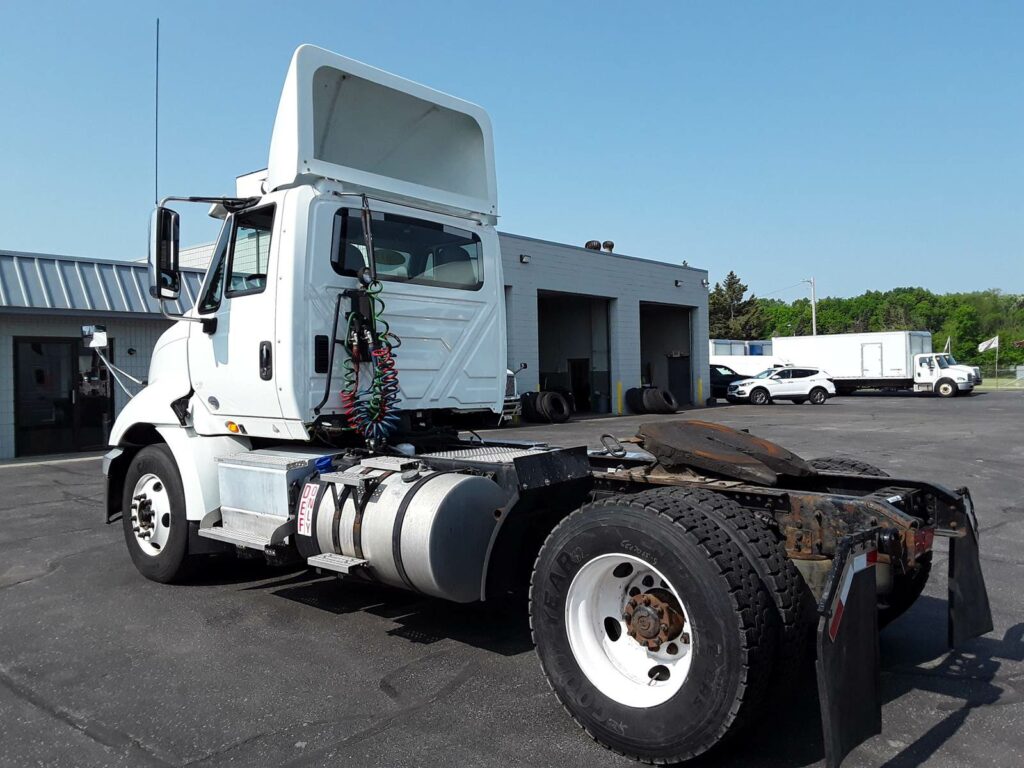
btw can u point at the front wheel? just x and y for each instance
(945, 388)
(153, 515)
(759, 397)
(650, 624)
(818, 396)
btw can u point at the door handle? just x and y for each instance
(266, 364)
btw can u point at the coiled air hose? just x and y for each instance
(372, 412)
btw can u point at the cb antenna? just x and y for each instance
(156, 122)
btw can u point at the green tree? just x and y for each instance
(730, 315)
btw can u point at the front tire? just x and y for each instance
(945, 388)
(652, 626)
(153, 516)
(759, 397)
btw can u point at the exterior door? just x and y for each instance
(63, 400)
(679, 379)
(871, 361)
(579, 383)
(231, 360)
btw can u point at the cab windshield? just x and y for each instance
(949, 360)
(941, 360)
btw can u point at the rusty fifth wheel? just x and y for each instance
(650, 626)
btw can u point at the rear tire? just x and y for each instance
(554, 407)
(906, 587)
(659, 401)
(155, 526)
(528, 401)
(647, 704)
(760, 397)
(818, 396)
(845, 466)
(635, 400)
(796, 614)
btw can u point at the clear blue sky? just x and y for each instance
(869, 144)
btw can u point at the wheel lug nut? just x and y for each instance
(664, 627)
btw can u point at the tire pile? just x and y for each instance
(551, 407)
(651, 400)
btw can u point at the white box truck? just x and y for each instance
(886, 360)
(298, 411)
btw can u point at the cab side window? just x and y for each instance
(249, 253)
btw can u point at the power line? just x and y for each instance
(788, 287)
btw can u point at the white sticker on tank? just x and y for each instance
(304, 518)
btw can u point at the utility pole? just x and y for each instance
(814, 307)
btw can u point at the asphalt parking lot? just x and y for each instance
(256, 666)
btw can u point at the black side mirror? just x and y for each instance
(522, 367)
(164, 275)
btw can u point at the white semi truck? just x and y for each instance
(299, 412)
(885, 360)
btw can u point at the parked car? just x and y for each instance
(791, 383)
(721, 377)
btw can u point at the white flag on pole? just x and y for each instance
(992, 343)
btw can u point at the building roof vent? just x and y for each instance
(593, 245)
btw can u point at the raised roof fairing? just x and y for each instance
(343, 120)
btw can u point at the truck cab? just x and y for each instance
(940, 373)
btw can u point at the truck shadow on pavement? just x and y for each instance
(915, 660)
(421, 620)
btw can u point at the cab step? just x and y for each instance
(337, 563)
(236, 537)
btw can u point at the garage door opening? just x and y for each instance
(573, 342)
(665, 349)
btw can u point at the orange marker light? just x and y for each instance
(232, 427)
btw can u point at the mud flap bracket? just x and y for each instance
(849, 687)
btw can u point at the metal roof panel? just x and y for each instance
(62, 284)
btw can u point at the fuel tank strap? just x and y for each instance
(396, 533)
(362, 500)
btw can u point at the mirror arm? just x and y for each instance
(209, 323)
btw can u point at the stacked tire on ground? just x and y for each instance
(664, 619)
(651, 400)
(545, 406)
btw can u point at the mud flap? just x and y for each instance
(848, 673)
(969, 612)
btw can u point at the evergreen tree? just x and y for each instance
(730, 315)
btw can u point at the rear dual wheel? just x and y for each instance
(653, 625)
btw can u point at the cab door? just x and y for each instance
(231, 356)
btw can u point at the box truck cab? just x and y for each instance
(940, 373)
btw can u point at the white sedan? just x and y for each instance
(791, 383)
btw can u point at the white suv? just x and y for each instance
(791, 383)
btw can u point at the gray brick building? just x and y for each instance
(590, 323)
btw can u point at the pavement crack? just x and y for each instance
(96, 731)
